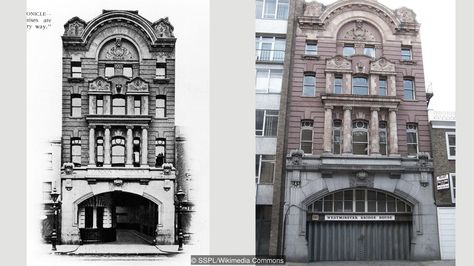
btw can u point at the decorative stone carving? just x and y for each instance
(68, 168)
(338, 62)
(118, 182)
(382, 65)
(137, 84)
(99, 84)
(360, 68)
(118, 51)
(363, 7)
(74, 27)
(361, 179)
(163, 28)
(359, 32)
(406, 15)
(167, 167)
(296, 157)
(313, 9)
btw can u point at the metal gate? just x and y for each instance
(359, 240)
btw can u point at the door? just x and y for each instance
(359, 240)
(447, 235)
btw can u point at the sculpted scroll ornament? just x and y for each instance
(338, 62)
(75, 29)
(137, 84)
(163, 28)
(359, 32)
(99, 84)
(406, 15)
(118, 52)
(382, 65)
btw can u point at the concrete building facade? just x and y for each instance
(358, 182)
(118, 129)
(443, 146)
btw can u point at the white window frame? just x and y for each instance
(450, 157)
(264, 123)
(269, 72)
(260, 160)
(348, 45)
(260, 40)
(307, 125)
(359, 86)
(410, 53)
(365, 129)
(408, 130)
(312, 86)
(275, 15)
(76, 69)
(452, 188)
(412, 89)
(367, 47)
(311, 52)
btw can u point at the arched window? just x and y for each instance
(360, 138)
(336, 136)
(160, 150)
(360, 86)
(100, 151)
(118, 106)
(118, 151)
(383, 137)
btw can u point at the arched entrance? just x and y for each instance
(359, 224)
(117, 216)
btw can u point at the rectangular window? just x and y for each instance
(137, 107)
(348, 50)
(382, 86)
(266, 123)
(118, 106)
(109, 70)
(311, 48)
(336, 136)
(406, 53)
(383, 137)
(127, 71)
(76, 105)
(272, 9)
(360, 86)
(270, 49)
(265, 169)
(408, 89)
(338, 84)
(369, 50)
(452, 181)
(269, 80)
(160, 106)
(76, 151)
(160, 144)
(451, 145)
(307, 136)
(100, 105)
(76, 69)
(100, 151)
(309, 85)
(412, 139)
(160, 70)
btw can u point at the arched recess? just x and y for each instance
(106, 34)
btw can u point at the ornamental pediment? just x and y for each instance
(99, 84)
(74, 27)
(163, 28)
(137, 85)
(338, 63)
(382, 65)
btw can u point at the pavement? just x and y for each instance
(378, 263)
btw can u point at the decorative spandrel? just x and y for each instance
(382, 65)
(359, 31)
(118, 49)
(137, 85)
(338, 63)
(99, 84)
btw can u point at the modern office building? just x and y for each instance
(359, 170)
(118, 129)
(443, 147)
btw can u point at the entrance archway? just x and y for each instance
(359, 224)
(106, 217)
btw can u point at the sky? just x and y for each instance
(437, 32)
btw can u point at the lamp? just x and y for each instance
(180, 196)
(54, 235)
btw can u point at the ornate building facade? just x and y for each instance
(118, 129)
(359, 171)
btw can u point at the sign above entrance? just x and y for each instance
(442, 182)
(359, 217)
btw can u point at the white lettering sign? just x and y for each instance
(359, 217)
(442, 182)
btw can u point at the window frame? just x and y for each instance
(367, 47)
(307, 125)
(76, 69)
(405, 57)
(272, 54)
(160, 142)
(384, 131)
(260, 160)
(127, 67)
(160, 98)
(116, 107)
(452, 186)
(334, 128)
(160, 66)
(360, 86)
(108, 67)
(76, 110)
(76, 142)
(275, 16)
(412, 89)
(380, 87)
(114, 144)
(265, 132)
(307, 86)
(448, 146)
(311, 52)
(336, 85)
(99, 107)
(347, 46)
(137, 105)
(364, 129)
(268, 80)
(412, 130)
(99, 146)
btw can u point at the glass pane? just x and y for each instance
(360, 194)
(348, 51)
(262, 80)
(311, 49)
(266, 174)
(257, 164)
(160, 72)
(270, 8)
(390, 206)
(76, 101)
(412, 149)
(307, 147)
(308, 90)
(348, 206)
(307, 134)
(76, 111)
(359, 148)
(360, 206)
(452, 151)
(160, 112)
(348, 195)
(359, 136)
(309, 80)
(318, 206)
(109, 71)
(276, 76)
(371, 206)
(411, 137)
(408, 95)
(127, 72)
(338, 206)
(271, 124)
(327, 206)
(400, 206)
(259, 9)
(383, 149)
(282, 12)
(371, 195)
(338, 196)
(452, 139)
(329, 197)
(259, 122)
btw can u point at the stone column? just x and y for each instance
(373, 85)
(106, 104)
(92, 104)
(374, 131)
(347, 131)
(107, 146)
(130, 105)
(129, 161)
(329, 82)
(392, 87)
(393, 137)
(347, 86)
(327, 129)
(144, 151)
(145, 105)
(91, 145)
